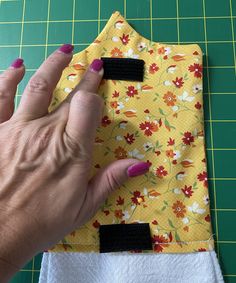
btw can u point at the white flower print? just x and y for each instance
(197, 88)
(171, 69)
(177, 154)
(177, 191)
(135, 153)
(167, 83)
(67, 90)
(180, 176)
(115, 38)
(206, 199)
(120, 106)
(195, 208)
(141, 46)
(130, 54)
(175, 108)
(147, 146)
(167, 50)
(119, 24)
(185, 97)
(185, 220)
(125, 215)
(119, 138)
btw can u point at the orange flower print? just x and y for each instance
(105, 121)
(118, 213)
(178, 82)
(120, 153)
(116, 53)
(188, 192)
(131, 92)
(169, 98)
(159, 243)
(170, 153)
(113, 104)
(179, 209)
(137, 198)
(197, 69)
(125, 39)
(153, 68)
(129, 138)
(188, 138)
(161, 50)
(161, 172)
(148, 128)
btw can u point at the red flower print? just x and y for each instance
(171, 141)
(154, 222)
(197, 69)
(131, 92)
(159, 243)
(129, 138)
(188, 192)
(157, 152)
(208, 218)
(179, 209)
(116, 53)
(153, 68)
(105, 121)
(161, 172)
(120, 201)
(113, 104)
(146, 111)
(169, 98)
(115, 94)
(137, 198)
(188, 138)
(125, 39)
(148, 128)
(96, 224)
(106, 212)
(118, 213)
(203, 178)
(198, 105)
(202, 250)
(120, 153)
(178, 82)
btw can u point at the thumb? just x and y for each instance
(107, 180)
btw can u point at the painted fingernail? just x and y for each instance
(66, 48)
(138, 169)
(96, 65)
(17, 63)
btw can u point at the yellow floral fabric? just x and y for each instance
(160, 121)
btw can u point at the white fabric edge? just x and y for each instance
(66, 267)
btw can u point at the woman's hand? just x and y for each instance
(45, 160)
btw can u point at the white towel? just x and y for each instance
(199, 267)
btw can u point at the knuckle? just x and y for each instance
(38, 84)
(112, 181)
(88, 99)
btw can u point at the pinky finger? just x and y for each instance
(8, 85)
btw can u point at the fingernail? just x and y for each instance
(138, 169)
(66, 48)
(17, 63)
(96, 65)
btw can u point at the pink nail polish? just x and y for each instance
(138, 169)
(17, 63)
(66, 48)
(96, 65)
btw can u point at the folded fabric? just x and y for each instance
(200, 267)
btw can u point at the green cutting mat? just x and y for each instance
(32, 29)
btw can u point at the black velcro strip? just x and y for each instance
(125, 237)
(125, 69)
